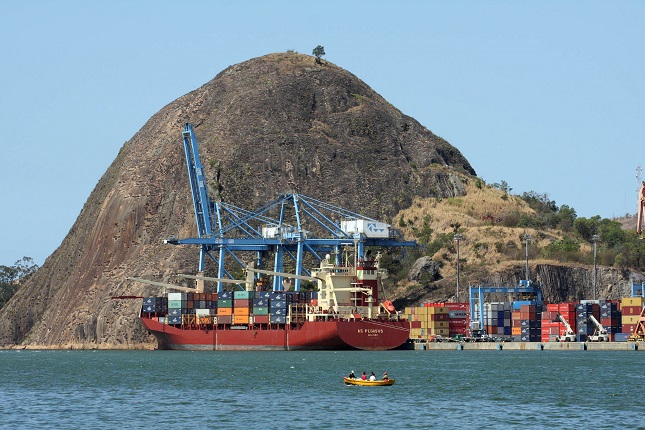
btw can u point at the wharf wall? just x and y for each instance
(533, 346)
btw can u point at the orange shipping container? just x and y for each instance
(242, 311)
(240, 319)
(224, 311)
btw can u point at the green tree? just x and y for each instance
(12, 276)
(319, 51)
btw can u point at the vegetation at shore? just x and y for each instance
(12, 276)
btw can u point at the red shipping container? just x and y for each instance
(439, 317)
(629, 328)
(552, 307)
(261, 319)
(458, 323)
(415, 324)
(455, 306)
(567, 307)
(631, 310)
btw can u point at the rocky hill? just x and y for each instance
(281, 122)
(493, 251)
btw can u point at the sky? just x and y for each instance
(548, 96)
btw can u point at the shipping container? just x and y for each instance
(261, 319)
(246, 311)
(224, 311)
(224, 319)
(225, 303)
(240, 319)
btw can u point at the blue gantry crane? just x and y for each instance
(477, 294)
(290, 226)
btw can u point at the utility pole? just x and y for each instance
(458, 238)
(527, 238)
(595, 239)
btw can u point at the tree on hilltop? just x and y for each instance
(319, 51)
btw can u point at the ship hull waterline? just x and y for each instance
(317, 335)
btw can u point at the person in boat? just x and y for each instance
(385, 377)
(372, 377)
(351, 375)
(364, 376)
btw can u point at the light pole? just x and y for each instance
(527, 238)
(595, 239)
(457, 238)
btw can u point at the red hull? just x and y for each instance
(329, 335)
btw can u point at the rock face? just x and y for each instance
(270, 125)
(424, 269)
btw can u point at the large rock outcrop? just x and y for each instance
(273, 124)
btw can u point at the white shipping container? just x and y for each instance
(374, 229)
(176, 296)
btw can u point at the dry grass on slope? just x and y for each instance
(484, 215)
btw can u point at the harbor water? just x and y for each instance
(295, 390)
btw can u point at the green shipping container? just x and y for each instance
(225, 303)
(175, 304)
(242, 294)
(261, 310)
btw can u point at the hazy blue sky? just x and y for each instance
(548, 96)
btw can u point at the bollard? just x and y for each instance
(460, 347)
(634, 346)
(583, 346)
(499, 347)
(540, 347)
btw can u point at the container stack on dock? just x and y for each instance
(527, 316)
(630, 308)
(428, 321)
(610, 318)
(585, 327)
(552, 328)
(529, 321)
(497, 318)
(459, 318)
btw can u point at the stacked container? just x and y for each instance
(458, 314)
(552, 327)
(610, 318)
(631, 308)
(585, 327)
(527, 321)
(225, 308)
(278, 307)
(428, 321)
(497, 318)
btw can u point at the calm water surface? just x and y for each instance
(293, 390)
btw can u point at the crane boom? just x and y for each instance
(600, 334)
(198, 186)
(165, 285)
(569, 335)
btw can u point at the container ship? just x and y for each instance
(344, 313)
